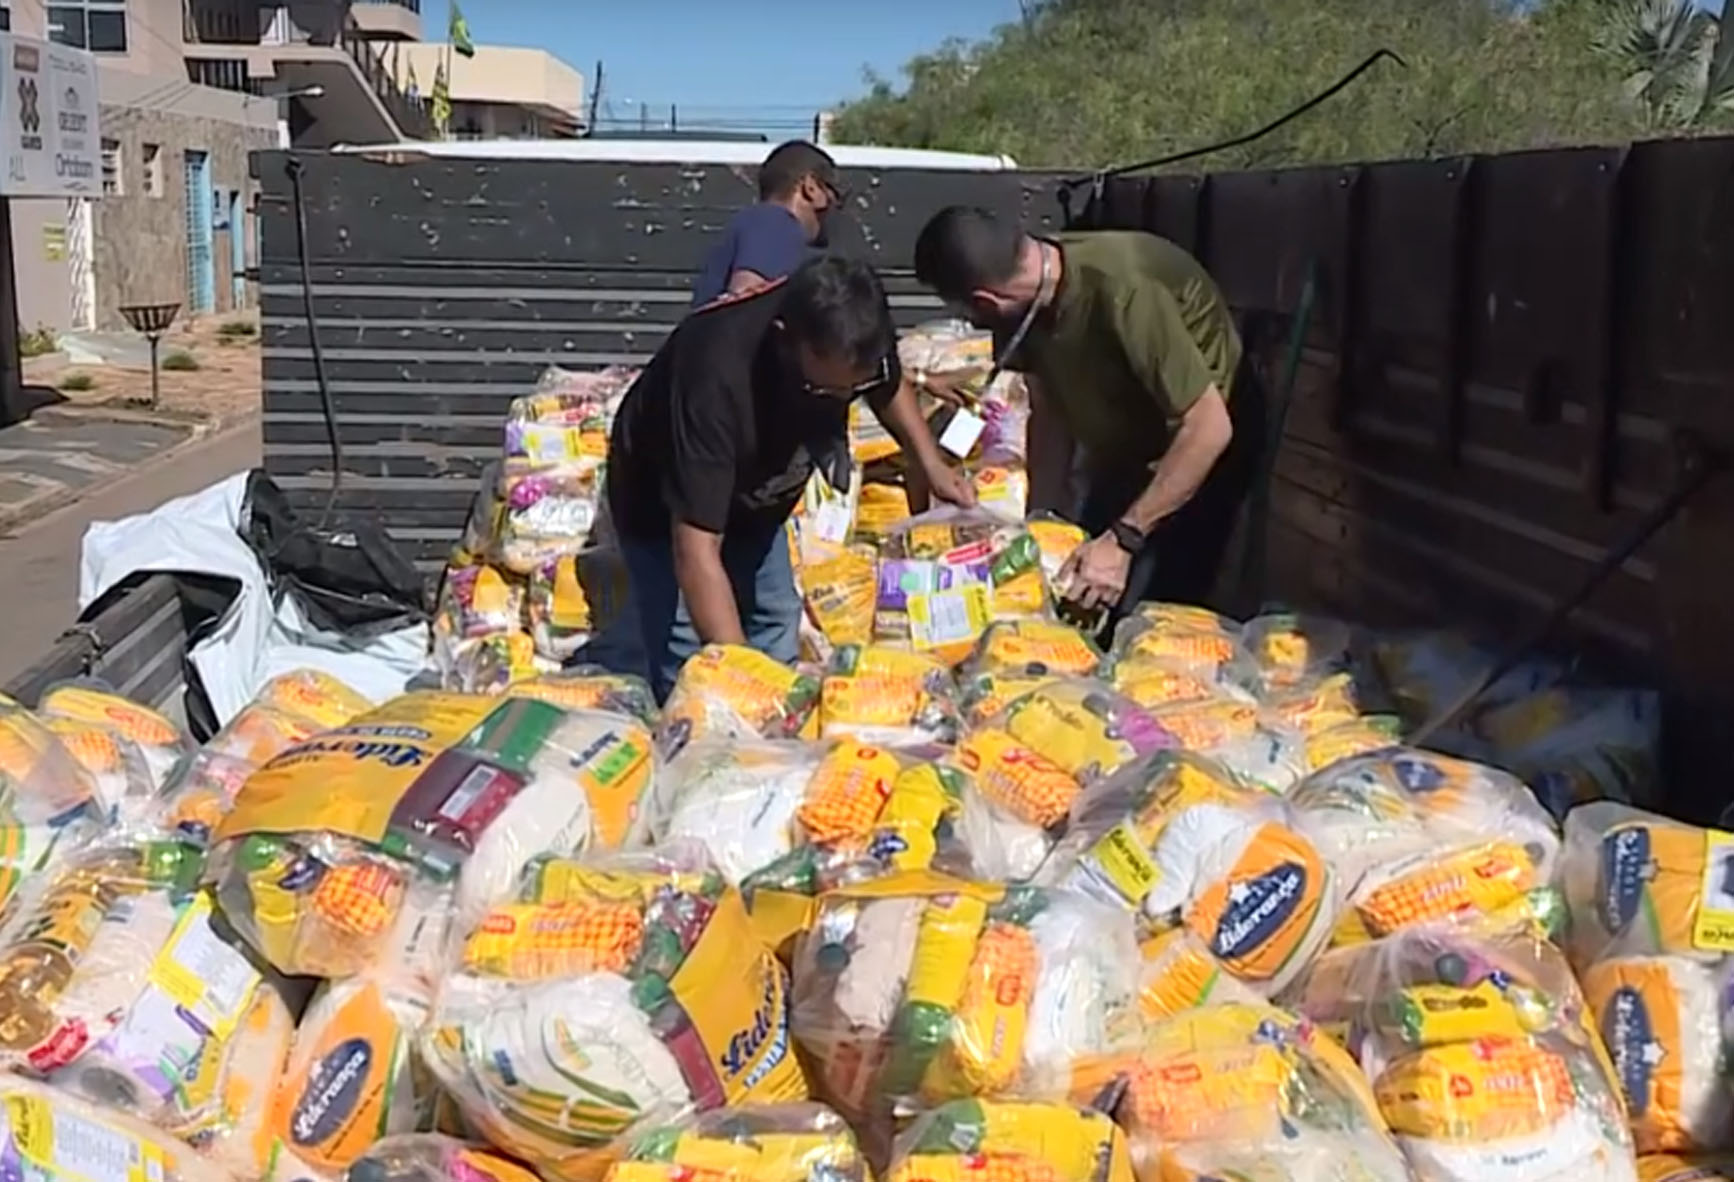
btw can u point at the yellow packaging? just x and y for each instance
(987, 1034)
(869, 701)
(909, 822)
(839, 592)
(363, 769)
(1671, 1167)
(538, 941)
(944, 950)
(1484, 879)
(1066, 733)
(1637, 1008)
(1479, 1091)
(1431, 1015)
(846, 793)
(1025, 644)
(1012, 775)
(1259, 915)
(98, 708)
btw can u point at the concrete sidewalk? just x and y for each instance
(59, 455)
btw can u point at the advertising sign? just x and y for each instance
(50, 138)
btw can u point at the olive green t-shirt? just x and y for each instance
(1135, 335)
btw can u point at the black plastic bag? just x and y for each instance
(350, 579)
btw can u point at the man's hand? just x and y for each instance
(947, 484)
(1096, 573)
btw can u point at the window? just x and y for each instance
(112, 173)
(153, 170)
(97, 25)
(5, 18)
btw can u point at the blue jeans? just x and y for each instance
(764, 585)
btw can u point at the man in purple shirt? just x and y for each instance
(764, 242)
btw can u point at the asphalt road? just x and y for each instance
(39, 560)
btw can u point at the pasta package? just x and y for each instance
(1248, 1083)
(1007, 1141)
(590, 687)
(331, 841)
(1481, 1050)
(611, 997)
(750, 1143)
(924, 988)
(1177, 841)
(729, 691)
(888, 695)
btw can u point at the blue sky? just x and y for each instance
(770, 62)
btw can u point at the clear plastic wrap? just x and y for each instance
(1003, 489)
(47, 1134)
(478, 601)
(549, 512)
(944, 576)
(49, 803)
(480, 539)
(882, 507)
(1671, 1167)
(557, 606)
(355, 1073)
(93, 703)
(1237, 734)
(1033, 648)
(433, 1157)
(1056, 539)
(327, 843)
(117, 767)
(1295, 650)
(1156, 682)
(1481, 1053)
(1180, 973)
(612, 997)
(986, 695)
(1641, 885)
(889, 696)
(567, 420)
(751, 1143)
(488, 664)
(1177, 641)
(791, 815)
(1177, 841)
(1573, 745)
(1248, 1087)
(921, 988)
(837, 594)
(1424, 671)
(1008, 1141)
(314, 695)
(730, 691)
(591, 687)
(1367, 735)
(1417, 836)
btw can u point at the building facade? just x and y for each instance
(190, 88)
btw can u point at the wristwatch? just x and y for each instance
(1128, 537)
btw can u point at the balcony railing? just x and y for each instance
(411, 117)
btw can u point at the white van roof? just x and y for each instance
(651, 151)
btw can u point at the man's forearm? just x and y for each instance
(704, 583)
(1197, 446)
(901, 416)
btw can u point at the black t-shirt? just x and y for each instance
(718, 430)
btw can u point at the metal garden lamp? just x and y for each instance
(153, 321)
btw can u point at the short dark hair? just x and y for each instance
(837, 308)
(963, 248)
(791, 163)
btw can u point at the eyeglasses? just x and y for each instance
(881, 377)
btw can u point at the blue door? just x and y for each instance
(237, 251)
(201, 260)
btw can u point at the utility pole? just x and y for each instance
(673, 118)
(595, 100)
(643, 116)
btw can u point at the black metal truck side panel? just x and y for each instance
(1504, 353)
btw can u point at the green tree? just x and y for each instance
(1677, 60)
(1089, 83)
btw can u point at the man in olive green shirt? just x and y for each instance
(1132, 359)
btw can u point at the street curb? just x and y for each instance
(12, 517)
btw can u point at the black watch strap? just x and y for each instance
(1130, 538)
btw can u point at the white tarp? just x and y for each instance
(253, 642)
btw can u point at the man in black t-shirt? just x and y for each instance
(717, 438)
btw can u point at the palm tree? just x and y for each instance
(1677, 59)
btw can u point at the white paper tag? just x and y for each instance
(962, 433)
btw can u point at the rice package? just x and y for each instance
(731, 691)
(945, 576)
(433, 1157)
(354, 1072)
(47, 1134)
(886, 695)
(1481, 1053)
(749, 1143)
(611, 997)
(923, 988)
(1247, 1090)
(328, 842)
(1008, 1141)
(1650, 935)
(1177, 841)
(1418, 837)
